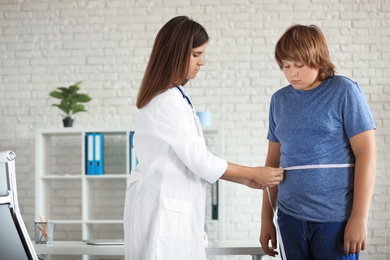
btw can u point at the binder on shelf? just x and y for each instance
(133, 157)
(99, 153)
(94, 143)
(214, 200)
(90, 151)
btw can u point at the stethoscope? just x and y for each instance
(196, 118)
(185, 97)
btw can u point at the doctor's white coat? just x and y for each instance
(165, 200)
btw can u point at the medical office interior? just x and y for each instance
(45, 44)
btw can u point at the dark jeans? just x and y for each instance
(305, 240)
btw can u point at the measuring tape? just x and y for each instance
(300, 167)
(319, 166)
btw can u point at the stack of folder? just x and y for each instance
(94, 159)
(94, 143)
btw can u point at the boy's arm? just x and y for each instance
(364, 149)
(268, 231)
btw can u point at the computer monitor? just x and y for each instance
(15, 242)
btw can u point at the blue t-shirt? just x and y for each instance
(314, 127)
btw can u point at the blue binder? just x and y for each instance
(90, 151)
(99, 153)
(133, 157)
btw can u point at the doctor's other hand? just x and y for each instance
(252, 184)
(268, 176)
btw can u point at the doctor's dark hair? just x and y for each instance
(170, 57)
(305, 44)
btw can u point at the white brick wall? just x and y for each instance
(48, 43)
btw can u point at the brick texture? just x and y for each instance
(106, 44)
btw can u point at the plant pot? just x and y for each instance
(68, 122)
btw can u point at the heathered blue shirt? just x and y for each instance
(314, 127)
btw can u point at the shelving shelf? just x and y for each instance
(87, 206)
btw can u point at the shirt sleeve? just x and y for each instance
(175, 123)
(356, 112)
(271, 122)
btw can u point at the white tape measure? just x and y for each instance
(319, 166)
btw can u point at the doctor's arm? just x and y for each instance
(254, 177)
(364, 149)
(175, 129)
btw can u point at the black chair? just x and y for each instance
(15, 242)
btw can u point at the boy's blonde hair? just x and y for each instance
(306, 44)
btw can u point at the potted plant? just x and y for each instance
(70, 101)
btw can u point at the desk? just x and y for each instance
(251, 248)
(79, 248)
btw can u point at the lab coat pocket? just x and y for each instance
(175, 218)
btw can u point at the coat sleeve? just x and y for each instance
(175, 123)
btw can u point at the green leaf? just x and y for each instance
(82, 98)
(65, 109)
(78, 108)
(73, 89)
(56, 94)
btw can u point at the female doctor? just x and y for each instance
(165, 200)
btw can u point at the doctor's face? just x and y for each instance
(196, 61)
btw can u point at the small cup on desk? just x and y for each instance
(44, 232)
(205, 118)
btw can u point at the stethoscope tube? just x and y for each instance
(185, 96)
(196, 118)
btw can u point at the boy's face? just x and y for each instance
(300, 76)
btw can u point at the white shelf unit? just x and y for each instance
(87, 206)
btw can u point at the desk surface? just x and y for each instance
(81, 248)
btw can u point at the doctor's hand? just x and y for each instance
(268, 176)
(254, 177)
